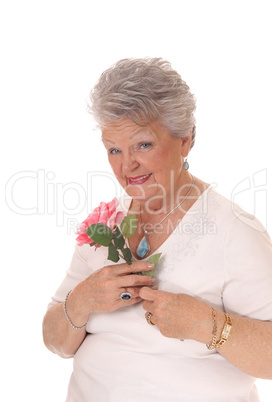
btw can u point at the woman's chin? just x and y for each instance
(146, 197)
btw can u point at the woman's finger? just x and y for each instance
(125, 269)
(135, 280)
(149, 294)
(148, 306)
(134, 291)
(150, 318)
(126, 303)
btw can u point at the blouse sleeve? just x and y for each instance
(84, 261)
(248, 269)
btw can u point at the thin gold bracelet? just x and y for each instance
(214, 332)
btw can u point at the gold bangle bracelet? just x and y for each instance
(226, 331)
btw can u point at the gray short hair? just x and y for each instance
(144, 90)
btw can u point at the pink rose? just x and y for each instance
(105, 213)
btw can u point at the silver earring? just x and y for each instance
(185, 165)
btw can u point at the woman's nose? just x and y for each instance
(129, 163)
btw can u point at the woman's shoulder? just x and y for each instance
(233, 215)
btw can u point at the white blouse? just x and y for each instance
(217, 253)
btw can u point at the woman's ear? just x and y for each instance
(186, 145)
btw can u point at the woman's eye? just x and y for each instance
(114, 151)
(145, 145)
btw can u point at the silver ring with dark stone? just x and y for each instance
(125, 296)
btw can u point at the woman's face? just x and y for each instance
(147, 161)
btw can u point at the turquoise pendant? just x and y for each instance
(186, 165)
(143, 248)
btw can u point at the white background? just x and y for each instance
(52, 53)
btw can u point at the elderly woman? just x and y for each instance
(198, 330)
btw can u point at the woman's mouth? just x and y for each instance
(138, 179)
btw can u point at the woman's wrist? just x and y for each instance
(203, 330)
(221, 329)
(76, 319)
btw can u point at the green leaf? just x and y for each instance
(127, 255)
(113, 254)
(128, 226)
(154, 260)
(100, 234)
(118, 239)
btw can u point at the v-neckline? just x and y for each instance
(162, 246)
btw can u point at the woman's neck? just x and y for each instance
(154, 209)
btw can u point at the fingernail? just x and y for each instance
(153, 280)
(150, 265)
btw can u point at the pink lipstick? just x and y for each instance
(138, 179)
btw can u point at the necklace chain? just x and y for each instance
(172, 210)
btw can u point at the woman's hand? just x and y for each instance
(100, 292)
(185, 317)
(178, 315)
